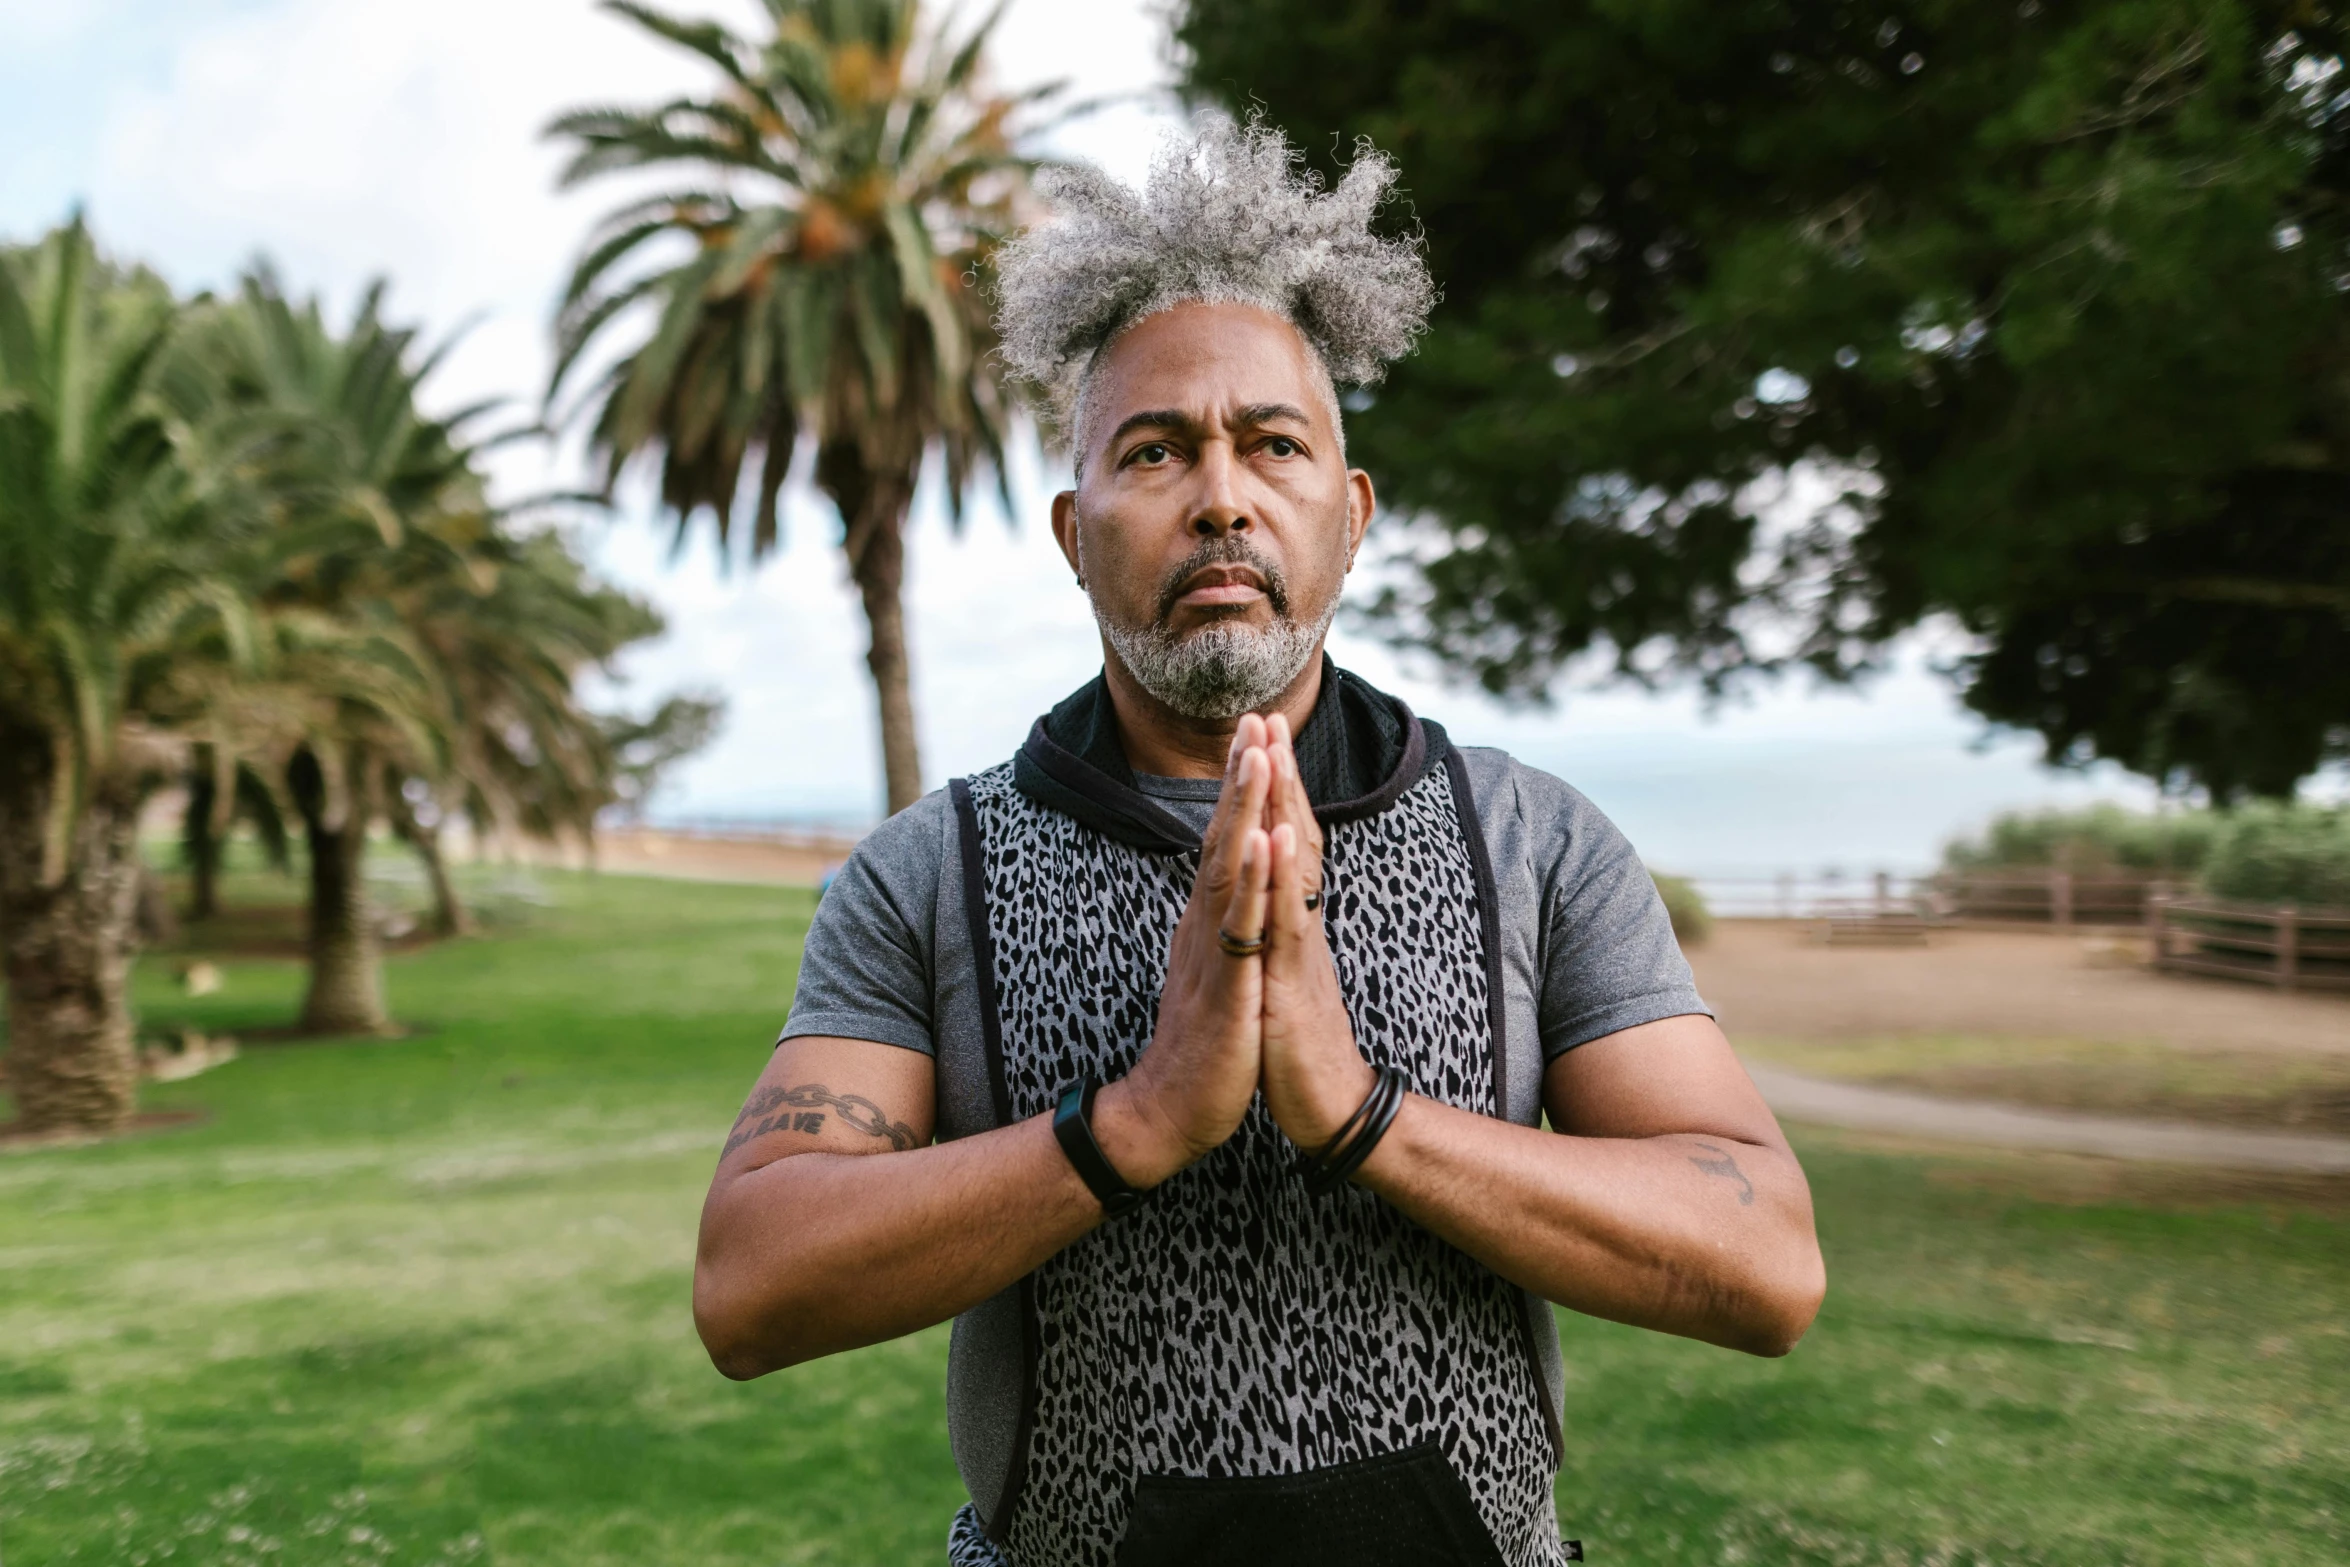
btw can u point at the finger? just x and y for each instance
(1241, 806)
(1248, 736)
(1285, 891)
(1244, 915)
(1291, 804)
(1276, 742)
(1289, 789)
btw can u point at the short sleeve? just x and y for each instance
(1609, 959)
(866, 972)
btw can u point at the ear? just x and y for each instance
(1065, 530)
(1362, 504)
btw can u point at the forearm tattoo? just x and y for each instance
(1727, 1168)
(794, 1110)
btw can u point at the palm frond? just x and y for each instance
(829, 303)
(708, 39)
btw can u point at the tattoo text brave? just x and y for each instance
(793, 1110)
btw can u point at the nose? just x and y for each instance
(1220, 508)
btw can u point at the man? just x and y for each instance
(1195, 1061)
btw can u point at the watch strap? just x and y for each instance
(1073, 1130)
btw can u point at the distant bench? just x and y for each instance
(1886, 928)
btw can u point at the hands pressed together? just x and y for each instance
(1234, 1023)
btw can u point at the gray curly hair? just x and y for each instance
(1229, 217)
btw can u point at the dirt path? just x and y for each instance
(1863, 1108)
(1766, 978)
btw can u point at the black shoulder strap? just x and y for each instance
(998, 1518)
(1464, 804)
(1464, 799)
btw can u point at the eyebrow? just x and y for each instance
(1177, 419)
(1151, 419)
(1266, 413)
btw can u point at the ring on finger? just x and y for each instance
(1238, 948)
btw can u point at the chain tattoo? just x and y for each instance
(1727, 1168)
(795, 1110)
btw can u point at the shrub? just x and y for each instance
(1692, 920)
(2100, 838)
(2283, 854)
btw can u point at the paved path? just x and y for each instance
(1855, 1105)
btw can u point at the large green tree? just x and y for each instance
(2046, 308)
(815, 280)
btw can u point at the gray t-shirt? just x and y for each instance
(1592, 947)
(1191, 801)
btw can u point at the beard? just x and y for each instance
(1226, 667)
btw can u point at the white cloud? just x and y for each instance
(351, 140)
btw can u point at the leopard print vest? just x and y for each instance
(1235, 1326)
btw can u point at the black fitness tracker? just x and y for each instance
(1073, 1129)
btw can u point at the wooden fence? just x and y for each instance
(2043, 897)
(2016, 897)
(2288, 947)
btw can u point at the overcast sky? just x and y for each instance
(352, 138)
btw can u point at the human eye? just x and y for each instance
(1283, 446)
(1150, 454)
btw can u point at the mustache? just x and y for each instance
(1228, 549)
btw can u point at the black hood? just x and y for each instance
(1358, 753)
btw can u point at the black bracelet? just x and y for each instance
(1375, 1126)
(1073, 1130)
(1309, 1161)
(1336, 1163)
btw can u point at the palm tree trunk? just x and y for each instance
(449, 915)
(881, 578)
(346, 965)
(156, 921)
(873, 510)
(204, 877)
(200, 842)
(67, 927)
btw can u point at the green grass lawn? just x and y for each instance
(425, 1301)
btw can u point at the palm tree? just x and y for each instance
(223, 789)
(368, 495)
(816, 280)
(524, 754)
(119, 603)
(477, 632)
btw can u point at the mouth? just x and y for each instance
(1222, 586)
